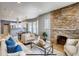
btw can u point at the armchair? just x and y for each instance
(24, 51)
(71, 47)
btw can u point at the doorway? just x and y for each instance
(5, 28)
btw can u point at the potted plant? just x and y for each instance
(44, 36)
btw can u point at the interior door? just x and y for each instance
(6, 28)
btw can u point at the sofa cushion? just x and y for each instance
(10, 43)
(11, 46)
(77, 44)
(11, 49)
(71, 49)
(72, 41)
(18, 48)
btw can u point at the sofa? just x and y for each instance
(4, 52)
(71, 48)
(27, 37)
(30, 37)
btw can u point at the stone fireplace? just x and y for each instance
(65, 22)
(61, 39)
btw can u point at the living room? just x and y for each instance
(39, 28)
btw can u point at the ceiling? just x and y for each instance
(28, 10)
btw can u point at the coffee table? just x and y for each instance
(47, 49)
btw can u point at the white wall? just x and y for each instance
(44, 24)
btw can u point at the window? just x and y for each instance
(33, 27)
(30, 26)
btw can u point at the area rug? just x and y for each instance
(37, 51)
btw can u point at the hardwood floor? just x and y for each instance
(58, 46)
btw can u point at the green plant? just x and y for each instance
(45, 36)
